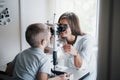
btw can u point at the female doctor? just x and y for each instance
(78, 46)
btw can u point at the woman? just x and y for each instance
(78, 47)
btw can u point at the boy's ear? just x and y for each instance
(43, 42)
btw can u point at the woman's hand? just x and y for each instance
(70, 49)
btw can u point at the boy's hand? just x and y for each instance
(48, 50)
(63, 77)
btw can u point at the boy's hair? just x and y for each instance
(35, 33)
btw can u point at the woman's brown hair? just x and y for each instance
(73, 22)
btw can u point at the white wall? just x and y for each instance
(12, 36)
(10, 33)
(32, 11)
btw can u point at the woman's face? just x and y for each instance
(67, 32)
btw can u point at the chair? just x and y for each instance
(7, 74)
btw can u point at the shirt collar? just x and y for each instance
(37, 49)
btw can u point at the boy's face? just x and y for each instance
(48, 39)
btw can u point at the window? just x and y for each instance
(85, 9)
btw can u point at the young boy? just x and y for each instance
(32, 63)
